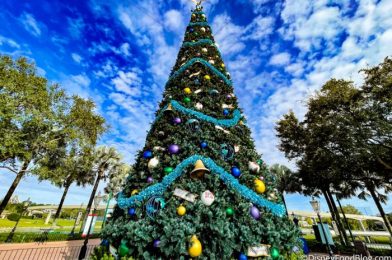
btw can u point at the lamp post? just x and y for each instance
(25, 205)
(97, 199)
(316, 207)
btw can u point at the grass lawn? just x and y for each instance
(63, 224)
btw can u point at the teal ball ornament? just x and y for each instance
(235, 171)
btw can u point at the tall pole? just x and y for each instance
(325, 237)
(106, 210)
(83, 251)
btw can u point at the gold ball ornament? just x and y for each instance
(187, 91)
(135, 191)
(204, 50)
(203, 29)
(207, 77)
(259, 186)
(181, 210)
(195, 249)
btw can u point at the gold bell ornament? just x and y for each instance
(195, 249)
(199, 170)
(169, 108)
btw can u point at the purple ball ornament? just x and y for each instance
(157, 242)
(173, 149)
(176, 120)
(254, 212)
(150, 179)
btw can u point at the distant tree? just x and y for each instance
(41, 128)
(76, 157)
(344, 143)
(354, 224)
(29, 109)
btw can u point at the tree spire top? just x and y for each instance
(198, 3)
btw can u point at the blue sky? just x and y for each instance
(120, 53)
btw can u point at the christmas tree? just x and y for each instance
(198, 188)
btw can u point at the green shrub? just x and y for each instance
(13, 216)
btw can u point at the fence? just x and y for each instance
(45, 253)
(42, 236)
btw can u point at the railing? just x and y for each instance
(45, 253)
(42, 236)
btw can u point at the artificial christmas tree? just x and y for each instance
(199, 188)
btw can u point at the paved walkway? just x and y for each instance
(60, 250)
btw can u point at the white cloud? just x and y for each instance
(260, 27)
(30, 24)
(78, 84)
(109, 69)
(311, 24)
(173, 20)
(76, 57)
(9, 42)
(76, 27)
(280, 59)
(128, 83)
(228, 35)
(125, 49)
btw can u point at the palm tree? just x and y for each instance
(105, 163)
(287, 180)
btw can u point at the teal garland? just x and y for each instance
(187, 111)
(199, 42)
(159, 188)
(198, 24)
(205, 63)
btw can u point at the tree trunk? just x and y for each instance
(58, 211)
(339, 220)
(14, 184)
(332, 211)
(370, 187)
(90, 202)
(345, 220)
